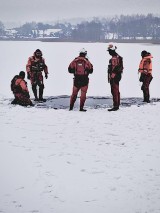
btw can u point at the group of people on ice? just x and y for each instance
(80, 67)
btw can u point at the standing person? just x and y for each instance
(115, 69)
(20, 90)
(145, 68)
(81, 67)
(35, 66)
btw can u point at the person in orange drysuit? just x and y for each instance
(20, 90)
(115, 69)
(81, 67)
(35, 66)
(145, 68)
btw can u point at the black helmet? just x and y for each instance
(22, 74)
(38, 53)
(144, 53)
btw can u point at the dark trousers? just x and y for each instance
(37, 80)
(145, 87)
(115, 93)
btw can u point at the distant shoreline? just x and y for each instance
(149, 41)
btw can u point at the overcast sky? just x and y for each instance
(51, 10)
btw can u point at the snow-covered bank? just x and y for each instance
(60, 161)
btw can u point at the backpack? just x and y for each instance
(80, 66)
(15, 88)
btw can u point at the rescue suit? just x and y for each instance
(145, 68)
(20, 91)
(35, 67)
(81, 67)
(115, 69)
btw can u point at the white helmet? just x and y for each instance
(111, 47)
(83, 51)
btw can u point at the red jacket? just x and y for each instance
(145, 65)
(36, 65)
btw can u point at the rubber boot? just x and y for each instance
(81, 108)
(113, 109)
(146, 97)
(71, 107)
(41, 88)
(34, 89)
(14, 101)
(72, 101)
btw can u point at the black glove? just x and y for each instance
(71, 70)
(89, 71)
(46, 75)
(28, 76)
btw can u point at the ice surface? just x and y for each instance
(60, 161)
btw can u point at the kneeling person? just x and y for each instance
(20, 90)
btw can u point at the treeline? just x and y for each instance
(119, 27)
(2, 29)
(122, 27)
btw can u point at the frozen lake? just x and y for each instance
(61, 161)
(14, 56)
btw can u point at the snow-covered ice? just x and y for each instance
(56, 161)
(61, 161)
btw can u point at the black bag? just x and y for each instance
(142, 77)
